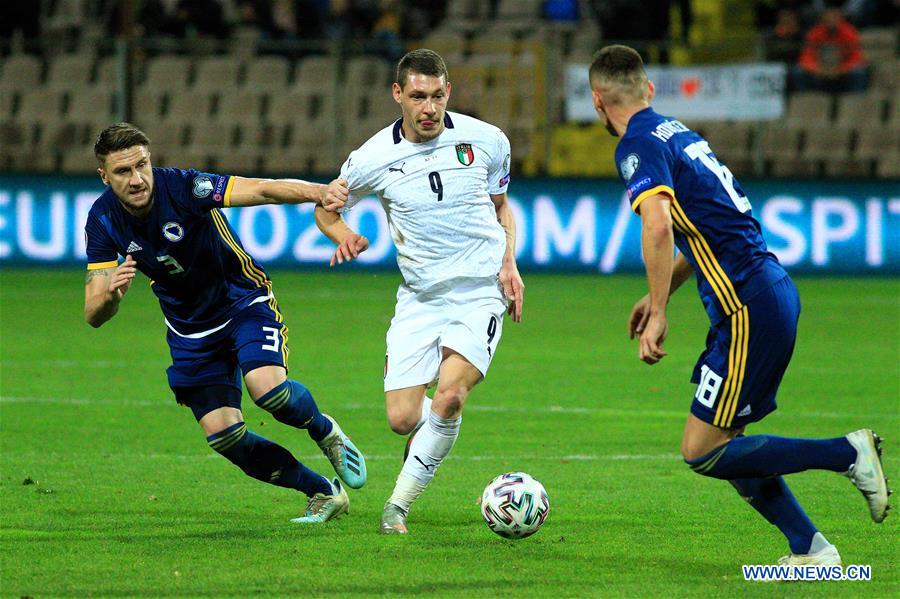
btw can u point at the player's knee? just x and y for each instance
(449, 399)
(402, 422)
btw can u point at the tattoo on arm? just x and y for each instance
(92, 274)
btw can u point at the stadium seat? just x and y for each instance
(167, 73)
(21, 72)
(194, 107)
(269, 73)
(69, 71)
(517, 15)
(148, 103)
(465, 15)
(40, 105)
(316, 73)
(370, 72)
(855, 109)
(236, 162)
(7, 103)
(88, 103)
(239, 106)
(885, 75)
(803, 107)
(827, 141)
(888, 166)
(492, 47)
(451, 45)
(218, 73)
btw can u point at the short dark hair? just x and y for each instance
(422, 61)
(619, 67)
(120, 136)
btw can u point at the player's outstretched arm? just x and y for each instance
(658, 244)
(350, 244)
(510, 279)
(103, 290)
(253, 192)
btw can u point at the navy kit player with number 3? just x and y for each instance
(218, 307)
(686, 198)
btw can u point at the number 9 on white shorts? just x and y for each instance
(465, 315)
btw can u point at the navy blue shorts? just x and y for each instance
(746, 354)
(256, 336)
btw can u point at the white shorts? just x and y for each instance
(465, 315)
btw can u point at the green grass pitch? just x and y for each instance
(127, 499)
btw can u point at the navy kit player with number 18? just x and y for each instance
(218, 306)
(686, 198)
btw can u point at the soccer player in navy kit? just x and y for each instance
(686, 198)
(219, 308)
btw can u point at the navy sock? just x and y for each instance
(266, 461)
(759, 456)
(772, 498)
(292, 403)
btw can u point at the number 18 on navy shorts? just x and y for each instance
(746, 355)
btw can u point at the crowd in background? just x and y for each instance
(820, 39)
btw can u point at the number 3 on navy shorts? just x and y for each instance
(272, 334)
(708, 389)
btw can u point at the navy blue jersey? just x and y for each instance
(195, 261)
(713, 222)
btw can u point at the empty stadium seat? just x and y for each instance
(239, 106)
(268, 73)
(856, 109)
(91, 103)
(167, 73)
(802, 107)
(70, 71)
(316, 73)
(218, 73)
(21, 72)
(368, 71)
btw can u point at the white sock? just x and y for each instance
(429, 448)
(819, 542)
(426, 409)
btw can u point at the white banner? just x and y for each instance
(727, 92)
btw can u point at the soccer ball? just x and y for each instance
(514, 505)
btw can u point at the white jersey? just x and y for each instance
(437, 197)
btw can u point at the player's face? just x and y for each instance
(130, 175)
(423, 100)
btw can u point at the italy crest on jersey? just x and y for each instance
(465, 154)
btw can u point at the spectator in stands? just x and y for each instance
(785, 39)
(832, 58)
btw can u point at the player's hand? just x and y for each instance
(639, 315)
(352, 246)
(336, 195)
(651, 340)
(513, 289)
(122, 276)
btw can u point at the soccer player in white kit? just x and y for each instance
(442, 179)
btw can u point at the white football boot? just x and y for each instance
(322, 508)
(866, 473)
(827, 556)
(393, 520)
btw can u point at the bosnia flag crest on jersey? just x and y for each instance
(465, 154)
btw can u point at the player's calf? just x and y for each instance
(264, 460)
(293, 404)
